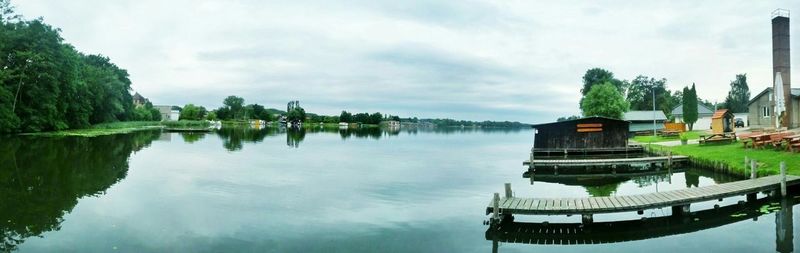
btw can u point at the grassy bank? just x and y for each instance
(693, 135)
(732, 156)
(186, 124)
(103, 129)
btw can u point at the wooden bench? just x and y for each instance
(669, 133)
(775, 140)
(793, 145)
(792, 142)
(745, 137)
(759, 140)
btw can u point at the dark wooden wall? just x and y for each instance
(565, 134)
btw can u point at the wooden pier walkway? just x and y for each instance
(642, 229)
(677, 198)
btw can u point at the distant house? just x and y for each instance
(643, 120)
(167, 113)
(139, 100)
(703, 117)
(391, 123)
(762, 106)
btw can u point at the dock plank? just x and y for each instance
(640, 201)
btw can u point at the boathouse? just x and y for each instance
(581, 136)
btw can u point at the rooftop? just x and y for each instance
(644, 115)
(701, 110)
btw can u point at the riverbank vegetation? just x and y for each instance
(186, 124)
(103, 129)
(46, 84)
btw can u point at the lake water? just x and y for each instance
(269, 190)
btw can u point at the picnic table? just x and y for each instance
(792, 142)
(717, 138)
(757, 140)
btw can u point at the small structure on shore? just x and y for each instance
(722, 122)
(722, 128)
(590, 135)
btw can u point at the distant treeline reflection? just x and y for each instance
(41, 179)
(234, 137)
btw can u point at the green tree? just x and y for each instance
(259, 112)
(211, 116)
(193, 112)
(46, 84)
(690, 106)
(739, 95)
(235, 106)
(296, 114)
(604, 100)
(640, 95)
(346, 117)
(573, 117)
(596, 76)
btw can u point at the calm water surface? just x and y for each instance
(244, 190)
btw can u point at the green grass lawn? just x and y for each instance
(693, 135)
(733, 155)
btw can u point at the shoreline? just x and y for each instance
(730, 158)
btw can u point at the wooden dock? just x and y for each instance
(642, 229)
(604, 162)
(679, 200)
(633, 149)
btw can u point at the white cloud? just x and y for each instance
(507, 60)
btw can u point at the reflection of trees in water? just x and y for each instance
(455, 130)
(191, 137)
(41, 179)
(233, 137)
(602, 190)
(295, 136)
(606, 186)
(648, 180)
(374, 133)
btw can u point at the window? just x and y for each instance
(765, 111)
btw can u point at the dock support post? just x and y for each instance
(753, 173)
(784, 227)
(496, 206)
(751, 197)
(669, 159)
(555, 169)
(508, 190)
(530, 165)
(680, 210)
(746, 162)
(783, 179)
(587, 218)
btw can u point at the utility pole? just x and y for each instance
(654, 110)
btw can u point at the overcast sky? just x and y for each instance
(476, 60)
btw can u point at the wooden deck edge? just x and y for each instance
(791, 180)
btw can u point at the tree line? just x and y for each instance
(604, 95)
(46, 84)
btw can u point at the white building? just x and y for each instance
(703, 117)
(167, 114)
